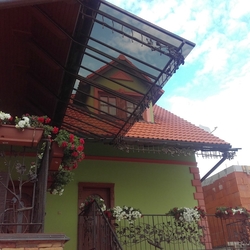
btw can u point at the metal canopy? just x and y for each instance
(90, 66)
(121, 49)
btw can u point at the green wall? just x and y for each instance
(151, 187)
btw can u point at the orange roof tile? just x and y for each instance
(169, 127)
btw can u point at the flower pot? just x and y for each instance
(29, 137)
(56, 155)
(234, 217)
(225, 216)
(240, 217)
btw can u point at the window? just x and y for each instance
(105, 107)
(108, 105)
(130, 107)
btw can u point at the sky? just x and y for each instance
(212, 87)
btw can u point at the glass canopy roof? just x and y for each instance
(125, 62)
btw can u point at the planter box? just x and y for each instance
(29, 137)
(56, 155)
(234, 217)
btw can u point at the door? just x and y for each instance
(91, 229)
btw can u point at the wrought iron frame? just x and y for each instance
(34, 223)
(90, 14)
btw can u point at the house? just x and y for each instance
(228, 188)
(98, 72)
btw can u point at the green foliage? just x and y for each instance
(60, 179)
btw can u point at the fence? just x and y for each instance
(152, 232)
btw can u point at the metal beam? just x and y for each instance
(215, 167)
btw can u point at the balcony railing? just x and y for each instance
(23, 179)
(152, 232)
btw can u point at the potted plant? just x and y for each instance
(58, 180)
(124, 213)
(232, 212)
(186, 214)
(61, 162)
(84, 206)
(69, 147)
(22, 134)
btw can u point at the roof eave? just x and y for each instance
(198, 146)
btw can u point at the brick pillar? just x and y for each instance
(198, 195)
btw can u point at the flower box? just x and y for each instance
(56, 155)
(237, 213)
(29, 137)
(234, 217)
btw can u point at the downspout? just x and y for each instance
(215, 166)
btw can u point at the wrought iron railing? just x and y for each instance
(23, 179)
(161, 232)
(95, 230)
(153, 232)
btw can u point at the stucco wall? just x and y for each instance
(153, 187)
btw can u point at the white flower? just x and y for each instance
(26, 119)
(103, 208)
(128, 213)
(4, 116)
(61, 192)
(23, 123)
(54, 191)
(189, 214)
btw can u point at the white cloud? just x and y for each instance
(239, 8)
(217, 94)
(228, 111)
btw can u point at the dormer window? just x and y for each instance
(105, 107)
(115, 106)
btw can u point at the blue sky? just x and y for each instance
(212, 88)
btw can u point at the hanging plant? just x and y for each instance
(227, 212)
(89, 201)
(186, 214)
(71, 145)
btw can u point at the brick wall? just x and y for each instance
(222, 192)
(228, 188)
(32, 241)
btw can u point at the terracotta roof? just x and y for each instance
(169, 127)
(107, 66)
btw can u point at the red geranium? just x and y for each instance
(71, 138)
(64, 144)
(40, 119)
(75, 154)
(55, 130)
(80, 148)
